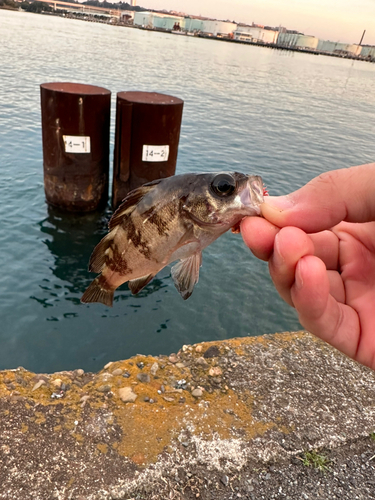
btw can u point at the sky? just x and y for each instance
(336, 20)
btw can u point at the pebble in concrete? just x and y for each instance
(212, 352)
(117, 372)
(104, 388)
(38, 385)
(202, 362)
(154, 369)
(225, 480)
(143, 377)
(215, 371)
(127, 395)
(197, 393)
(173, 358)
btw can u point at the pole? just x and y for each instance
(363, 34)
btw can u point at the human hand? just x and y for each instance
(319, 242)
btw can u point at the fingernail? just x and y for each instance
(279, 202)
(298, 281)
(277, 257)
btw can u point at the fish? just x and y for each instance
(167, 220)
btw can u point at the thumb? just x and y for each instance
(335, 196)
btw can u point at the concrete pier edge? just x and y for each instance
(217, 420)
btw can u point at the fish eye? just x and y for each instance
(223, 185)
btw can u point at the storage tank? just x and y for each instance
(144, 19)
(368, 51)
(298, 41)
(287, 39)
(327, 45)
(339, 47)
(166, 22)
(307, 42)
(352, 48)
(256, 34)
(192, 24)
(215, 28)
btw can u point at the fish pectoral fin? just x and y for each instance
(138, 284)
(185, 274)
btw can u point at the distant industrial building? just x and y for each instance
(368, 52)
(170, 22)
(297, 40)
(257, 34)
(217, 28)
(281, 37)
(339, 48)
(193, 24)
(127, 16)
(157, 20)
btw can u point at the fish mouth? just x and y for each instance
(252, 196)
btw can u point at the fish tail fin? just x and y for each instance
(99, 291)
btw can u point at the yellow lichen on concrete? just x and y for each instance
(149, 428)
(103, 448)
(39, 418)
(239, 343)
(78, 437)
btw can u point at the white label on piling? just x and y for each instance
(155, 153)
(77, 144)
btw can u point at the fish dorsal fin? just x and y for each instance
(185, 274)
(136, 285)
(129, 203)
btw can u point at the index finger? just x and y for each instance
(339, 195)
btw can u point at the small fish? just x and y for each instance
(167, 220)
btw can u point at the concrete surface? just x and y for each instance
(219, 420)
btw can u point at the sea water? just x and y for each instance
(283, 115)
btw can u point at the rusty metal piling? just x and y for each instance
(75, 132)
(146, 140)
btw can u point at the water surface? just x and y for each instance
(285, 116)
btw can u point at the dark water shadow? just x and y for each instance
(71, 240)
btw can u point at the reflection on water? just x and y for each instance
(72, 237)
(71, 240)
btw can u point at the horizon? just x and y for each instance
(338, 21)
